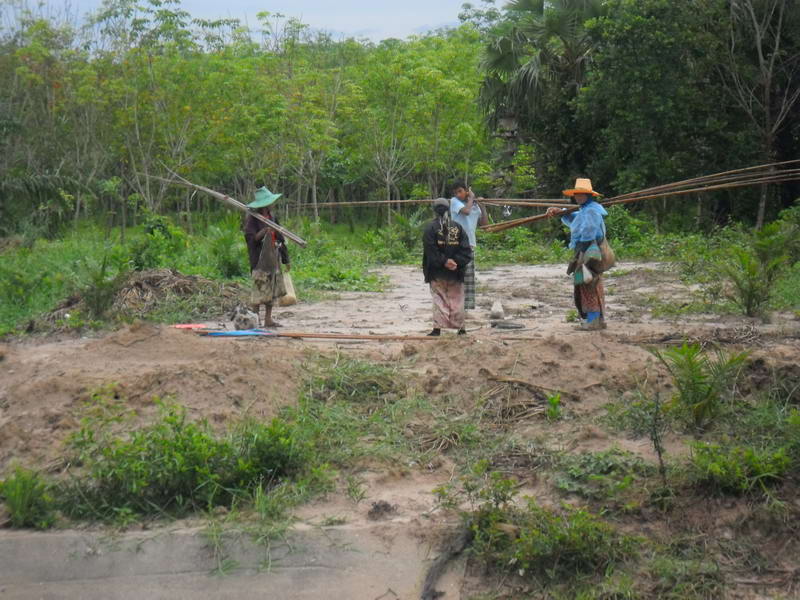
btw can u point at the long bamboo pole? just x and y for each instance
(233, 203)
(302, 335)
(758, 179)
(714, 176)
(540, 202)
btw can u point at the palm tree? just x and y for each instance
(541, 47)
(536, 61)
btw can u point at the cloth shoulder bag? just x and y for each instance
(608, 258)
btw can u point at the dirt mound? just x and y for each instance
(145, 290)
(44, 388)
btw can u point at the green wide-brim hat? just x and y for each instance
(263, 198)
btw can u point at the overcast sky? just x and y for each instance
(375, 19)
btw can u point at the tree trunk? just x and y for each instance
(314, 197)
(762, 207)
(388, 205)
(122, 202)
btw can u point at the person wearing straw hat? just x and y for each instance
(587, 233)
(446, 254)
(266, 249)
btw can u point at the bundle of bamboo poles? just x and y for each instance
(534, 203)
(233, 203)
(750, 176)
(758, 175)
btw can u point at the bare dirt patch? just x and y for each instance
(506, 374)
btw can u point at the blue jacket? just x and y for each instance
(586, 225)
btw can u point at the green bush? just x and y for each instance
(532, 541)
(174, 466)
(100, 285)
(401, 242)
(554, 545)
(160, 246)
(754, 270)
(625, 229)
(703, 382)
(352, 380)
(228, 251)
(601, 475)
(737, 469)
(28, 498)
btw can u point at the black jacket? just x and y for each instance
(251, 227)
(438, 246)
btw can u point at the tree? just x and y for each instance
(650, 125)
(536, 61)
(762, 72)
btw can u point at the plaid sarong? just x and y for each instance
(469, 286)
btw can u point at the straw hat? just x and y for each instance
(582, 186)
(263, 198)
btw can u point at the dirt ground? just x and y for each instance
(45, 381)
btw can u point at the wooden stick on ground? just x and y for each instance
(532, 386)
(233, 203)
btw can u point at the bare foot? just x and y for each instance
(272, 323)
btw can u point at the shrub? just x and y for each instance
(174, 465)
(555, 545)
(161, 244)
(18, 286)
(754, 269)
(702, 381)
(624, 228)
(532, 541)
(400, 242)
(228, 252)
(600, 475)
(100, 286)
(352, 380)
(738, 469)
(28, 498)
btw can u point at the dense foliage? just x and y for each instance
(631, 92)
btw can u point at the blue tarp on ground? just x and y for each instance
(240, 333)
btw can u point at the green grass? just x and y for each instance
(551, 546)
(33, 280)
(174, 466)
(29, 499)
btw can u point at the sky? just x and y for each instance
(376, 19)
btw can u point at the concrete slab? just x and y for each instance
(347, 564)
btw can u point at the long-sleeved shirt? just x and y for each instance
(469, 221)
(586, 225)
(441, 242)
(251, 227)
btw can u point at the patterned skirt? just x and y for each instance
(267, 277)
(591, 297)
(448, 304)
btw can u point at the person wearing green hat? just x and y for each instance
(266, 249)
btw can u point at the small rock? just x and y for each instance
(381, 509)
(497, 311)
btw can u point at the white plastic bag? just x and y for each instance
(587, 274)
(291, 296)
